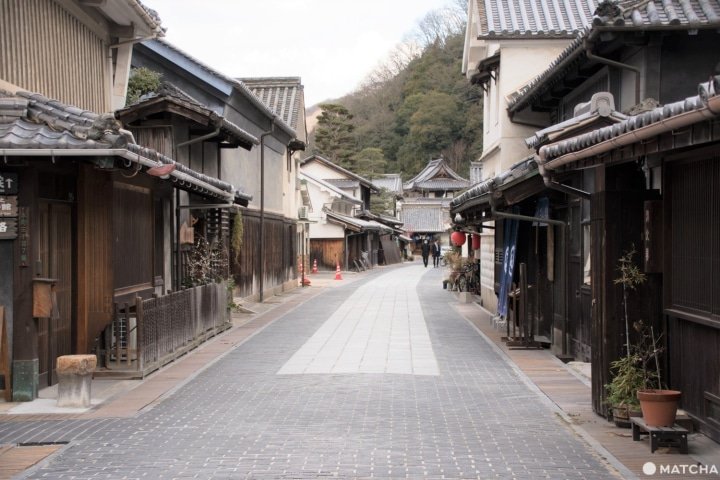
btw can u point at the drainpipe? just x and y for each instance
(613, 63)
(262, 205)
(208, 136)
(553, 185)
(564, 234)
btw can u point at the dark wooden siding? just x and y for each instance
(95, 240)
(692, 207)
(133, 239)
(280, 254)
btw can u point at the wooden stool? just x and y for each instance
(675, 436)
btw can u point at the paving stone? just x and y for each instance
(472, 418)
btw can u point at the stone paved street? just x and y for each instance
(359, 382)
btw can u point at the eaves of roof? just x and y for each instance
(220, 81)
(704, 106)
(633, 16)
(329, 186)
(357, 224)
(33, 125)
(189, 109)
(363, 181)
(480, 193)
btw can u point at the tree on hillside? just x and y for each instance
(334, 135)
(432, 128)
(369, 162)
(383, 203)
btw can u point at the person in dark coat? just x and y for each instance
(425, 252)
(435, 250)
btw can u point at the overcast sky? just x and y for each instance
(331, 44)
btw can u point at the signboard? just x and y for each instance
(8, 206)
(8, 183)
(8, 228)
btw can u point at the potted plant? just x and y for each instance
(658, 405)
(622, 398)
(639, 371)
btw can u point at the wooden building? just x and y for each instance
(80, 197)
(649, 178)
(337, 204)
(267, 262)
(424, 209)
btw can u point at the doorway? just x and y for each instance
(55, 260)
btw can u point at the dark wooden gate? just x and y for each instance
(55, 254)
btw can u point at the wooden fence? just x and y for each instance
(150, 333)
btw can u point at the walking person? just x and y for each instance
(425, 252)
(435, 250)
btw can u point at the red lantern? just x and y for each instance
(476, 241)
(458, 239)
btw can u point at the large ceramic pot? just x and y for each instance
(659, 406)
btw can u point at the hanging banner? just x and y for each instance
(506, 278)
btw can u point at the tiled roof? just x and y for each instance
(633, 125)
(347, 173)
(423, 218)
(170, 93)
(437, 169)
(480, 191)
(343, 182)
(30, 121)
(357, 224)
(600, 108)
(238, 85)
(526, 18)
(324, 183)
(442, 184)
(644, 13)
(630, 16)
(283, 95)
(391, 182)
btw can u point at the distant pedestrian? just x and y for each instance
(435, 249)
(425, 252)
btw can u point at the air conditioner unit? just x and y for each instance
(303, 213)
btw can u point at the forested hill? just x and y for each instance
(414, 108)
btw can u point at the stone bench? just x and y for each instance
(74, 379)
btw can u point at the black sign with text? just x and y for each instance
(8, 183)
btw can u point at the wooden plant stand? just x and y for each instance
(675, 436)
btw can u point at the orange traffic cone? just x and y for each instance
(314, 269)
(338, 276)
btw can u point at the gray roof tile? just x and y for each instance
(437, 170)
(36, 122)
(282, 95)
(628, 15)
(522, 18)
(632, 123)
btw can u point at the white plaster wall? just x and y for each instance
(323, 172)
(242, 169)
